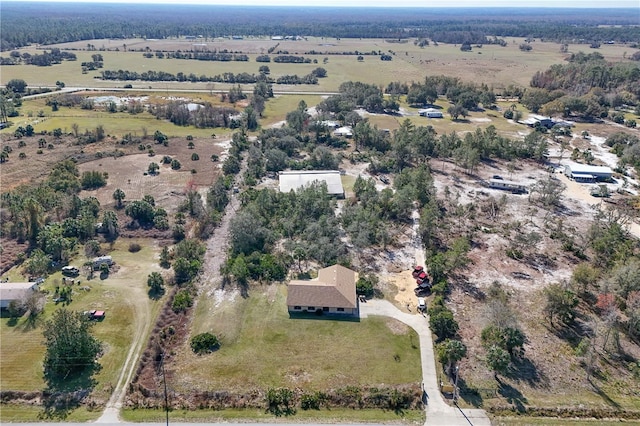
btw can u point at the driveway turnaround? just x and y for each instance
(438, 412)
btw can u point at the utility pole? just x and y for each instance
(166, 397)
(455, 388)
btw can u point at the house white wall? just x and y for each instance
(324, 309)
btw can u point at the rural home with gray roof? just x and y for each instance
(10, 292)
(333, 292)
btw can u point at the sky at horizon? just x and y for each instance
(579, 4)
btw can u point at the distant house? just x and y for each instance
(345, 131)
(277, 38)
(10, 292)
(587, 173)
(293, 180)
(548, 122)
(333, 292)
(431, 113)
(329, 123)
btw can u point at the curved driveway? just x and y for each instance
(438, 411)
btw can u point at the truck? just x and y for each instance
(423, 282)
(70, 271)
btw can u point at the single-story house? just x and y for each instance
(329, 123)
(333, 292)
(508, 186)
(431, 113)
(535, 119)
(547, 122)
(10, 292)
(344, 131)
(587, 173)
(293, 180)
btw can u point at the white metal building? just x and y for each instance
(293, 180)
(431, 113)
(15, 291)
(587, 173)
(345, 131)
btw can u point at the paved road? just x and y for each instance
(438, 411)
(162, 89)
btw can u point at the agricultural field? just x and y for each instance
(493, 65)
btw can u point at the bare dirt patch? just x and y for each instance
(168, 186)
(9, 254)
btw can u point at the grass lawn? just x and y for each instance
(128, 311)
(262, 347)
(546, 421)
(335, 415)
(113, 123)
(28, 413)
(276, 108)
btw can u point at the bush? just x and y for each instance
(280, 402)
(441, 288)
(134, 247)
(93, 180)
(365, 286)
(204, 343)
(443, 324)
(312, 401)
(175, 164)
(618, 118)
(182, 301)
(195, 157)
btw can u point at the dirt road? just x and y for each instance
(403, 281)
(143, 321)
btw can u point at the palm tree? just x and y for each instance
(33, 218)
(119, 195)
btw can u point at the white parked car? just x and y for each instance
(421, 304)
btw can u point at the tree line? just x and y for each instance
(228, 77)
(51, 24)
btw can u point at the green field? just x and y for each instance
(124, 297)
(335, 415)
(262, 347)
(491, 64)
(113, 123)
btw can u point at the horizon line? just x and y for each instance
(336, 6)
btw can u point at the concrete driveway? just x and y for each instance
(438, 411)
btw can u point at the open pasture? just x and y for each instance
(43, 119)
(494, 65)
